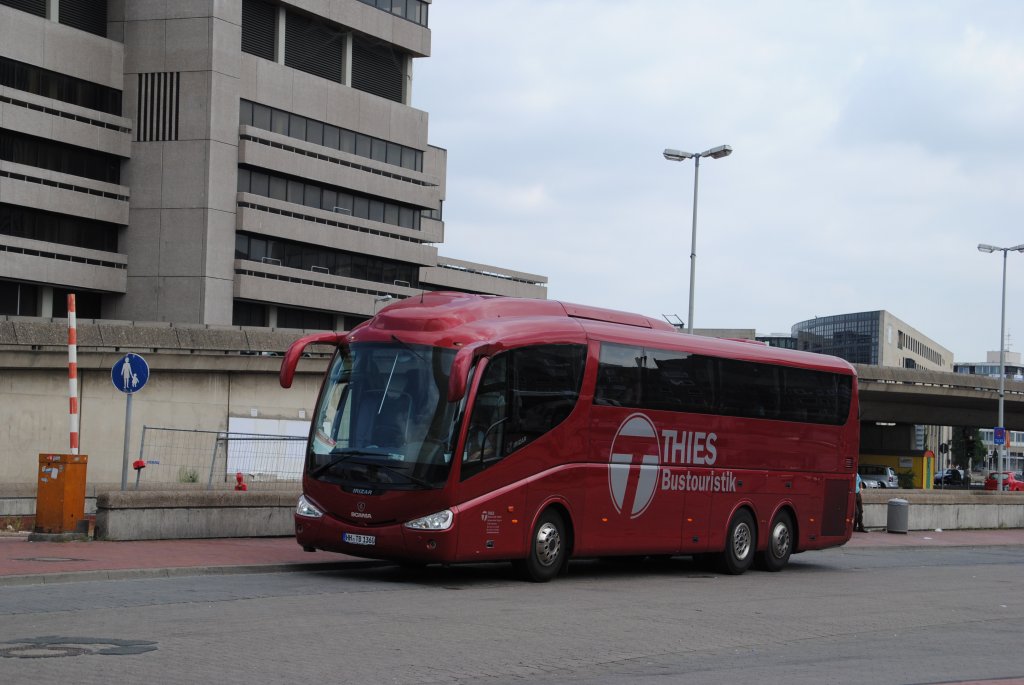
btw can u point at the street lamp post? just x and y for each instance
(1001, 449)
(380, 298)
(679, 156)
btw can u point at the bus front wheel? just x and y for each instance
(740, 544)
(780, 544)
(547, 553)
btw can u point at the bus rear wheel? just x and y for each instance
(740, 544)
(548, 550)
(780, 544)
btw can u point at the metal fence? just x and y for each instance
(211, 459)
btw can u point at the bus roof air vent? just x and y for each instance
(577, 311)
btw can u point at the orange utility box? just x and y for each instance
(60, 492)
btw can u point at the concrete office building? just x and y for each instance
(246, 162)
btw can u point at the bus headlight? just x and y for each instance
(442, 520)
(307, 508)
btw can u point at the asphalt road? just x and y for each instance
(908, 615)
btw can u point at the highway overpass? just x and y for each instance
(935, 398)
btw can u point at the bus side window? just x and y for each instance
(678, 381)
(524, 394)
(547, 383)
(486, 423)
(618, 375)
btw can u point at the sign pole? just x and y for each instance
(127, 440)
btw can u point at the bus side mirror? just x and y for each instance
(294, 353)
(459, 373)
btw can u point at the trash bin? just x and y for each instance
(60, 493)
(898, 516)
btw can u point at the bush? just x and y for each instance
(905, 479)
(187, 475)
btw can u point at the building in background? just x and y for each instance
(880, 339)
(1012, 366)
(782, 340)
(1014, 370)
(244, 162)
(876, 338)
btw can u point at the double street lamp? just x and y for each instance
(679, 156)
(1001, 449)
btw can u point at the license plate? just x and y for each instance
(357, 539)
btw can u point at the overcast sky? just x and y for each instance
(875, 145)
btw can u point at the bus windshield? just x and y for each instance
(383, 420)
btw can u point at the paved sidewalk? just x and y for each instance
(25, 563)
(939, 538)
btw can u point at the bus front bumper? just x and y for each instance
(392, 542)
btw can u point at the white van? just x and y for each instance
(883, 475)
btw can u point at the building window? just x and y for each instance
(34, 224)
(304, 256)
(378, 68)
(19, 299)
(50, 84)
(350, 322)
(259, 28)
(853, 337)
(87, 305)
(313, 47)
(329, 198)
(413, 10)
(60, 157)
(248, 314)
(320, 133)
(36, 7)
(288, 317)
(86, 15)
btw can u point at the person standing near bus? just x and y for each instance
(858, 516)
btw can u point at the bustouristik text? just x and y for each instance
(698, 482)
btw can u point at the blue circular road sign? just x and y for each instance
(129, 373)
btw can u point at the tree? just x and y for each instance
(966, 447)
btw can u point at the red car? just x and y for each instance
(1011, 482)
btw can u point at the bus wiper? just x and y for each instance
(347, 457)
(412, 479)
(409, 347)
(342, 457)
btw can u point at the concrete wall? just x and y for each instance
(170, 515)
(187, 389)
(178, 515)
(947, 510)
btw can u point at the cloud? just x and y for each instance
(875, 145)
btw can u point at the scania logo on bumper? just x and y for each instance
(360, 514)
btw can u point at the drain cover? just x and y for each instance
(50, 646)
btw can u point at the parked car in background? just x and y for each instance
(952, 478)
(883, 475)
(1012, 482)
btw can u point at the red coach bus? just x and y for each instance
(465, 428)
